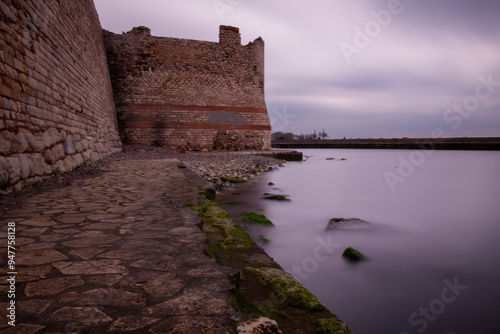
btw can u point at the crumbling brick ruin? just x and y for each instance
(56, 98)
(189, 94)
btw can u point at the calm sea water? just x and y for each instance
(433, 243)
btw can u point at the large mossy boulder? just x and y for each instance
(353, 255)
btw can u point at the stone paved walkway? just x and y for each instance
(116, 253)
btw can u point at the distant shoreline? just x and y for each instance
(480, 143)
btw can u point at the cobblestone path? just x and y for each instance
(116, 253)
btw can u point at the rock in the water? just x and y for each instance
(260, 325)
(347, 224)
(353, 255)
(264, 239)
(276, 197)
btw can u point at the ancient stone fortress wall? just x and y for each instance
(189, 94)
(56, 106)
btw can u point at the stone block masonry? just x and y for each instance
(189, 94)
(56, 103)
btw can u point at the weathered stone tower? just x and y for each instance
(189, 94)
(56, 103)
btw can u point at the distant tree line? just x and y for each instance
(288, 136)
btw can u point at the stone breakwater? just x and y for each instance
(113, 248)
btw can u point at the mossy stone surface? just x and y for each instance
(276, 197)
(353, 255)
(258, 218)
(293, 292)
(261, 286)
(332, 326)
(216, 217)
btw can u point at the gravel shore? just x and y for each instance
(218, 168)
(214, 167)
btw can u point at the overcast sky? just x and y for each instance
(357, 68)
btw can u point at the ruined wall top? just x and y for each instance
(229, 35)
(189, 94)
(151, 69)
(141, 30)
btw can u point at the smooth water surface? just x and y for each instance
(433, 243)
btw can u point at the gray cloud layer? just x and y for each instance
(408, 67)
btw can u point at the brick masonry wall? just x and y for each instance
(189, 94)
(56, 105)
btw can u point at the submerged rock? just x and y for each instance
(264, 239)
(347, 224)
(276, 197)
(353, 255)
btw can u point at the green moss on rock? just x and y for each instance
(261, 287)
(258, 218)
(294, 293)
(354, 255)
(223, 215)
(217, 218)
(276, 197)
(332, 326)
